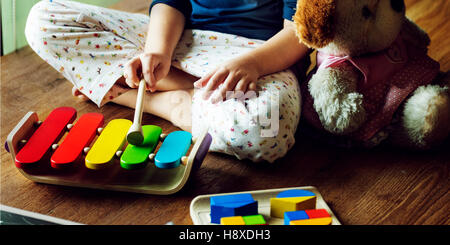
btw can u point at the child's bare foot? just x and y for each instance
(77, 93)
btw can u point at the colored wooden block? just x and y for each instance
(135, 156)
(294, 215)
(295, 193)
(48, 133)
(173, 148)
(111, 139)
(317, 213)
(257, 219)
(79, 137)
(234, 198)
(291, 200)
(280, 205)
(232, 205)
(317, 221)
(234, 220)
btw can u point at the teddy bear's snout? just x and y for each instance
(397, 5)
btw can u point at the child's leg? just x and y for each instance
(174, 106)
(173, 102)
(261, 128)
(89, 45)
(175, 80)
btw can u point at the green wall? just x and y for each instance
(22, 9)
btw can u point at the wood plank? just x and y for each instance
(433, 18)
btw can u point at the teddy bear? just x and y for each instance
(372, 80)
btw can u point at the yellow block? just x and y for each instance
(280, 205)
(112, 138)
(234, 220)
(317, 221)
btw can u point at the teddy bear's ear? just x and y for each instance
(314, 20)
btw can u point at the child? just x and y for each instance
(246, 96)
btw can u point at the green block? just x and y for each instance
(254, 220)
(134, 156)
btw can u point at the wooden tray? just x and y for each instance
(200, 206)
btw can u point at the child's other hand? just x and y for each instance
(151, 66)
(238, 75)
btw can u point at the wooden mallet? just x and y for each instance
(134, 135)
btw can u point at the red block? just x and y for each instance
(317, 213)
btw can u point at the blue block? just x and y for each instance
(215, 200)
(294, 215)
(232, 205)
(295, 193)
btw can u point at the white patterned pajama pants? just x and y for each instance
(90, 45)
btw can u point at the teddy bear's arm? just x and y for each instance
(339, 106)
(414, 35)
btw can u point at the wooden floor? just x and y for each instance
(380, 186)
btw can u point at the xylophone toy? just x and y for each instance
(94, 157)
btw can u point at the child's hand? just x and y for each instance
(238, 75)
(151, 66)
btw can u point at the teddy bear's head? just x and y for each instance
(349, 27)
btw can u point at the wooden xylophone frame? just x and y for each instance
(148, 180)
